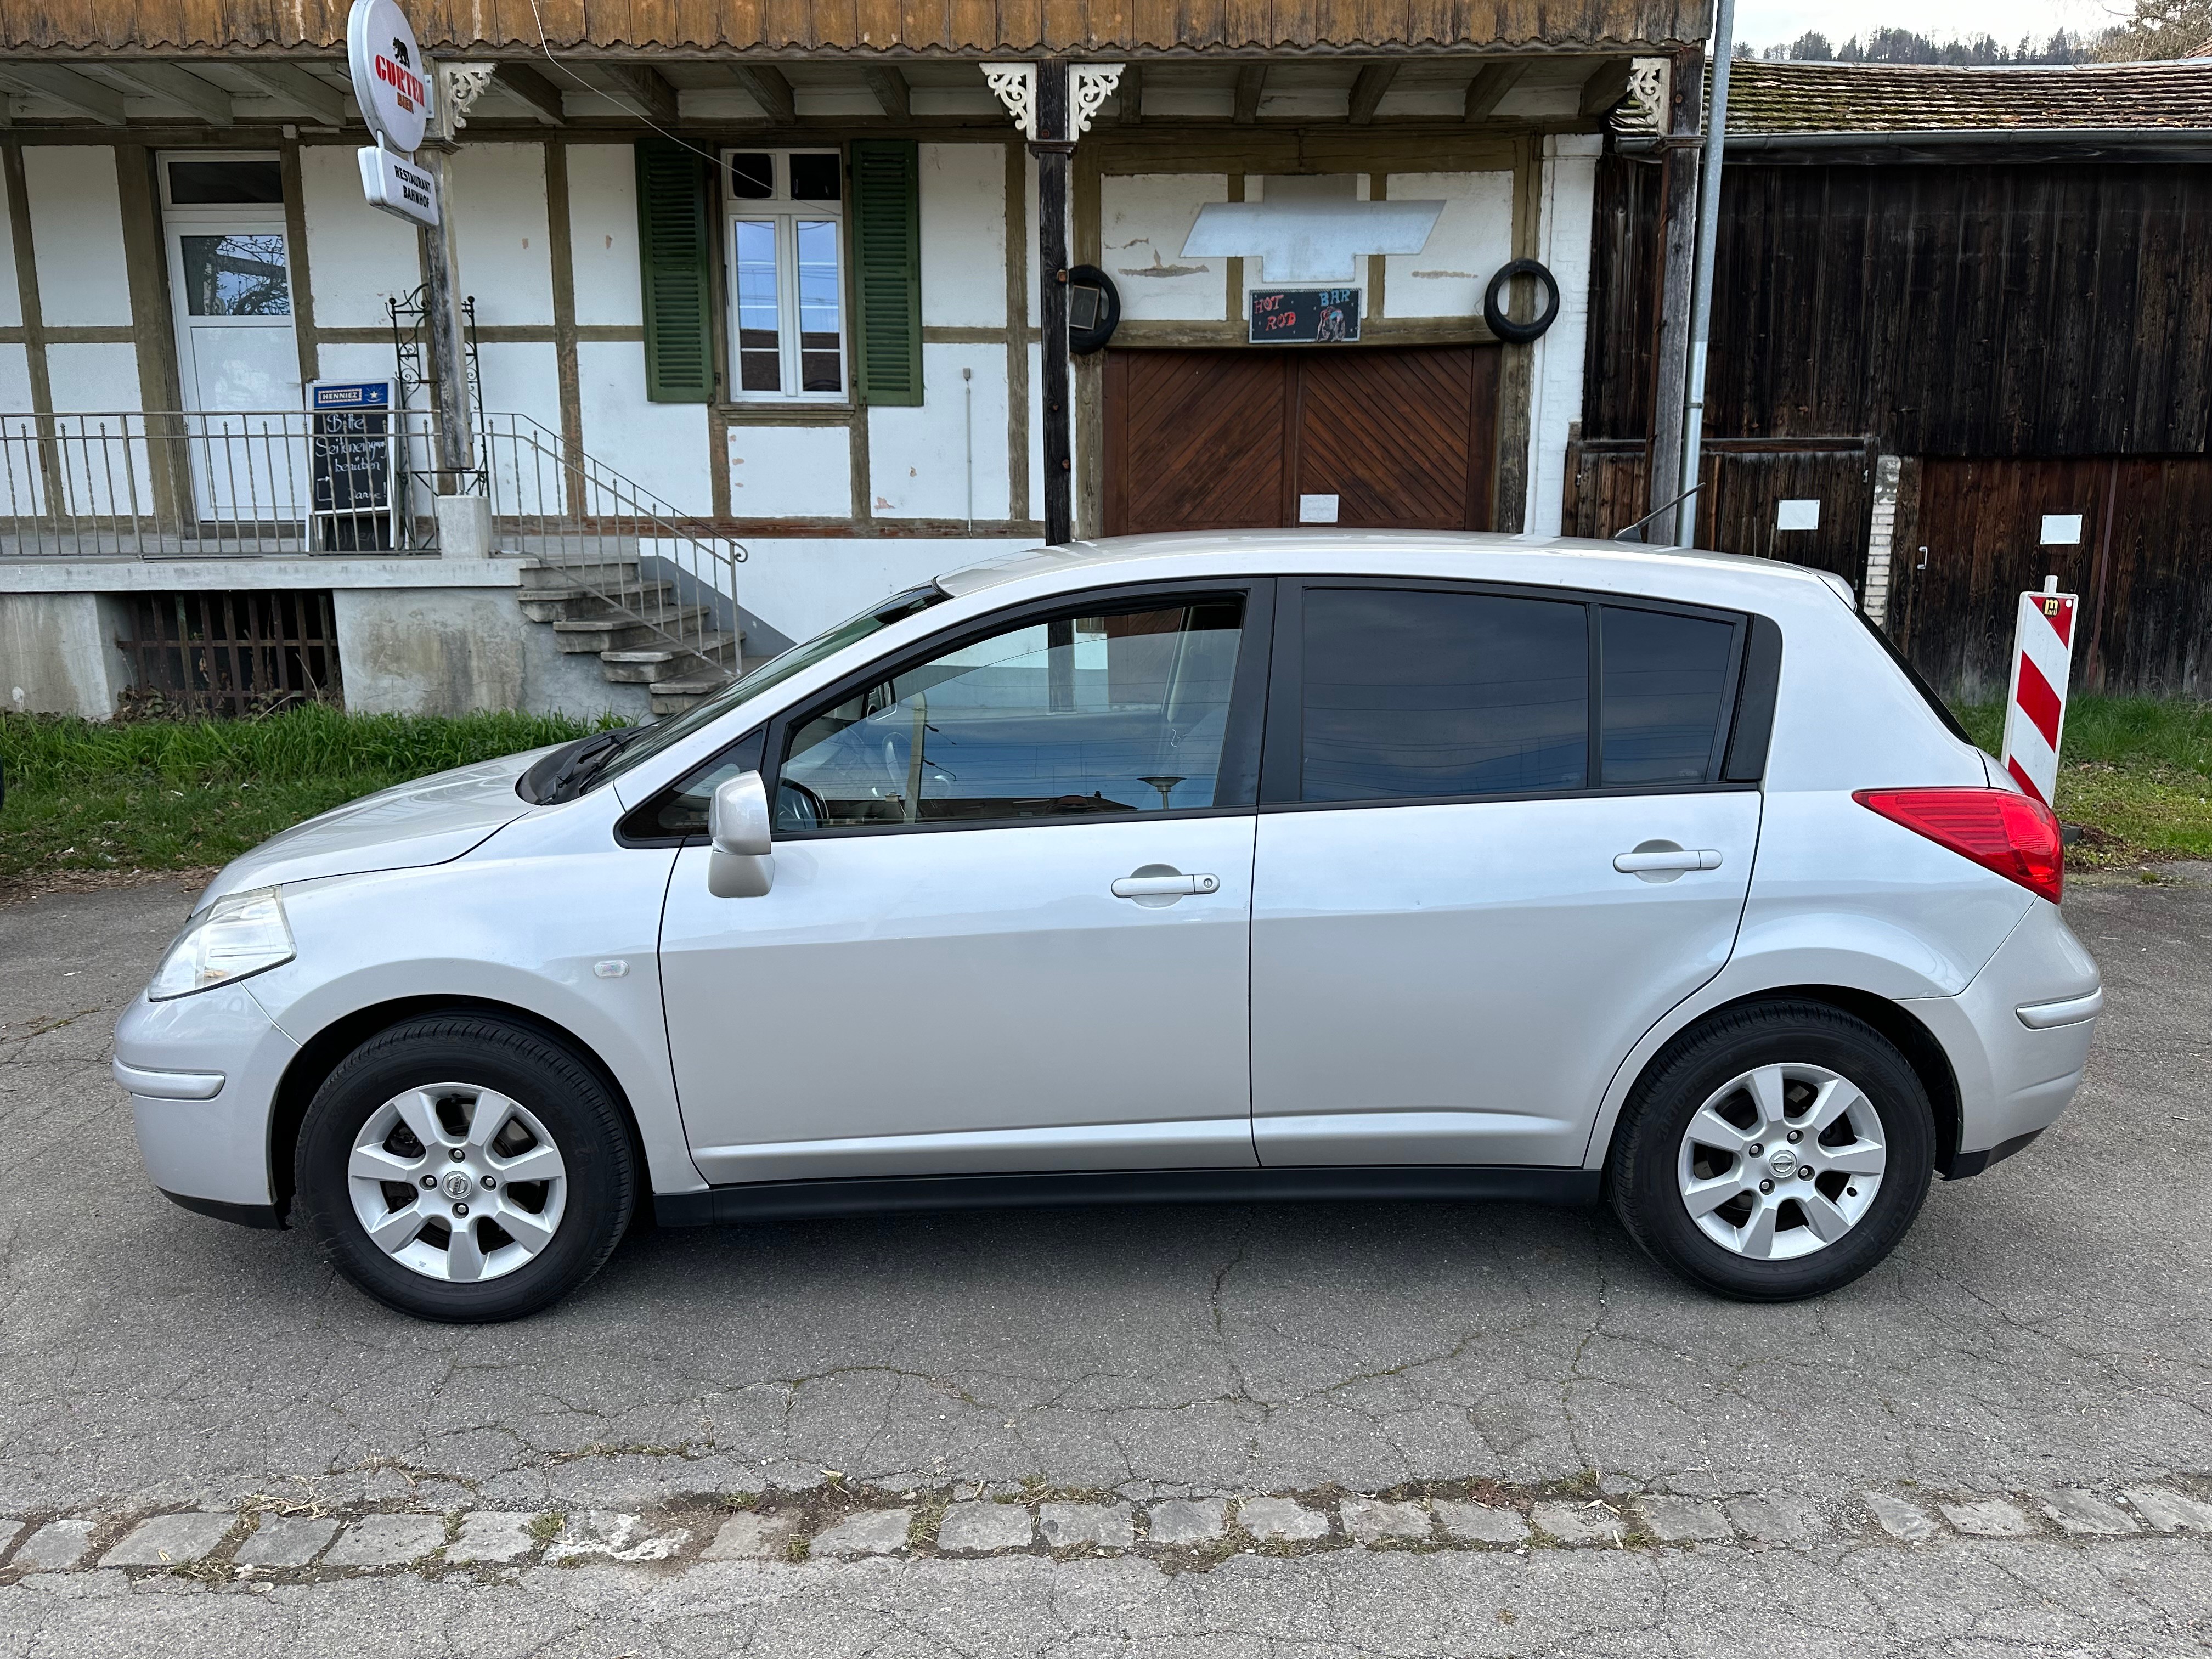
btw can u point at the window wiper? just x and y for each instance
(584, 763)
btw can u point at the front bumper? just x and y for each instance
(202, 1073)
(2017, 1037)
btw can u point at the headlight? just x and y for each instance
(242, 934)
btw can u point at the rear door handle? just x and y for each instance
(1631, 863)
(1131, 887)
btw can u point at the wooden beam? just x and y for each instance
(1490, 84)
(1607, 86)
(173, 85)
(525, 85)
(1129, 101)
(770, 90)
(292, 86)
(1251, 86)
(890, 89)
(78, 93)
(1367, 91)
(642, 89)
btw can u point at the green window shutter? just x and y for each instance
(674, 265)
(887, 266)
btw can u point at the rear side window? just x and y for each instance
(1410, 694)
(1665, 676)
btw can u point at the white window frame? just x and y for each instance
(787, 214)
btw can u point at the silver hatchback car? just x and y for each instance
(1266, 864)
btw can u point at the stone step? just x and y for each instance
(577, 603)
(643, 664)
(615, 633)
(556, 573)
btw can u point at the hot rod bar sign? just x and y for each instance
(1304, 316)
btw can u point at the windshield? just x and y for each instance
(654, 738)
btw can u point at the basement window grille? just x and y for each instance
(234, 653)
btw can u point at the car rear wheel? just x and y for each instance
(1778, 1153)
(464, 1169)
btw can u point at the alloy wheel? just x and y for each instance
(1782, 1161)
(456, 1181)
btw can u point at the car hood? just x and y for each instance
(428, 821)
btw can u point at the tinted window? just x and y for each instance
(1664, 676)
(1078, 716)
(815, 178)
(195, 184)
(752, 176)
(1414, 694)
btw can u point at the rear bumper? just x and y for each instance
(202, 1073)
(2017, 1038)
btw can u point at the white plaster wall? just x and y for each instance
(800, 585)
(1474, 236)
(56, 656)
(358, 362)
(791, 472)
(77, 236)
(93, 376)
(1563, 242)
(963, 235)
(505, 252)
(1143, 221)
(11, 301)
(357, 257)
(919, 458)
(14, 380)
(660, 447)
(603, 236)
(522, 378)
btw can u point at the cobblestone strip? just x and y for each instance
(1183, 1534)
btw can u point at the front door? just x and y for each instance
(1448, 963)
(1010, 924)
(237, 358)
(1364, 437)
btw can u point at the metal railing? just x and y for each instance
(192, 484)
(594, 531)
(195, 485)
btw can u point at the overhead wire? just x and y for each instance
(546, 46)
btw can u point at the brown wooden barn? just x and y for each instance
(1968, 312)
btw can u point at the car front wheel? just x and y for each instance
(1778, 1153)
(464, 1169)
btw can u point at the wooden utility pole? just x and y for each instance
(441, 312)
(1052, 146)
(1677, 138)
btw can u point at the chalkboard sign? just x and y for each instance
(1304, 316)
(350, 437)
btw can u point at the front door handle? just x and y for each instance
(1165, 886)
(1649, 858)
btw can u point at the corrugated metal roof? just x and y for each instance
(1785, 99)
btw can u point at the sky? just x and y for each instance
(1771, 22)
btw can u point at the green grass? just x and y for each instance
(166, 794)
(2135, 772)
(163, 794)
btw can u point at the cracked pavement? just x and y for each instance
(2044, 1325)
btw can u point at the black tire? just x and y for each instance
(1644, 1175)
(540, 1074)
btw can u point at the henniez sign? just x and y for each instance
(391, 82)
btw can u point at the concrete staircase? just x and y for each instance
(609, 610)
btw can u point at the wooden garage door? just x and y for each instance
(1404, 437)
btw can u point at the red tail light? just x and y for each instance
(2014, 835)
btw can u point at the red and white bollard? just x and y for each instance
(2035, 710)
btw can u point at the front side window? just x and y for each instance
(1412, 694)
(1083, 715)
(785, 253)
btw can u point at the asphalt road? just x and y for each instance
(2046, 1326)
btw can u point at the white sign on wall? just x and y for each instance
(391, 82)
(2061, 530)
(1797, 515)
(398, 186)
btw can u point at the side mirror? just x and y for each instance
(742, 864)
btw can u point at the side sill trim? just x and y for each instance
(2043, 1016)
(244, 1215)
(767, 1200)
(1966, 1165)
(166, 1085)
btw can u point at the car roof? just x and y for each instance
(1355, 552)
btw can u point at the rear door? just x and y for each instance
(1496, 846)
